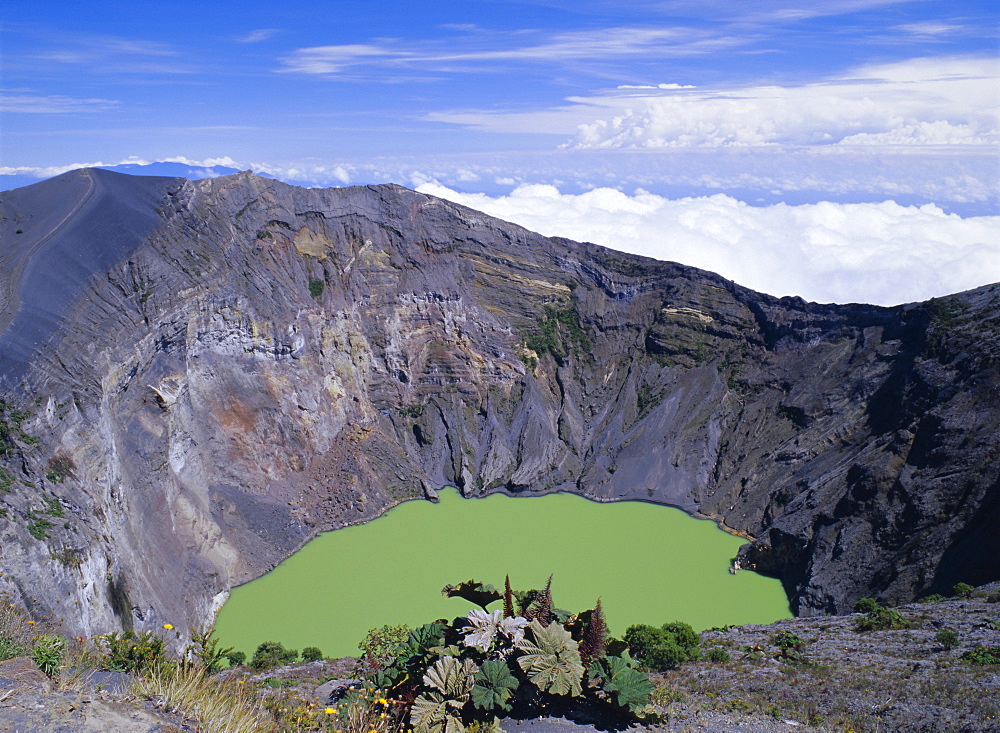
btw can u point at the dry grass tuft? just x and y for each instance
(218, 706)
(17, 632)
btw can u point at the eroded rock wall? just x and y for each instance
(270, 362)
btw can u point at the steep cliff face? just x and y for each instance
(230, 366)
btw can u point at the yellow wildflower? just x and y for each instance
(31, 623)
(329, 711)
(168, 626)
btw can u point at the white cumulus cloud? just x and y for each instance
(941, 101)
(880, 253)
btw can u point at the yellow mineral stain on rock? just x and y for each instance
(505, 273)
(689, 312)
(372, 256)
(308, 242)
(331, 383)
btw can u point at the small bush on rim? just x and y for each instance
(273, 654)
(882, 618)
(131, 652)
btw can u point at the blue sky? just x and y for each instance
(849, 101)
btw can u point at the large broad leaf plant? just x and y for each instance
(521, 659)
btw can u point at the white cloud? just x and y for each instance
(879, 253)
(832, 252)
(555, 121)
(919, 102)
(929, 29)
(113, 54)
(225, 161)
(472, 52)
(326, 175)
(332, 59)
(55, 170)
(960, 178)
(941, 101)
(261, 34)
(52, 104)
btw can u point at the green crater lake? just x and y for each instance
(648, 564)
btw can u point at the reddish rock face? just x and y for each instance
(248, 363)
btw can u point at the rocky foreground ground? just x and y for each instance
(838, 679)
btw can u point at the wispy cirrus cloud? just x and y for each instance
(761, 10)
(108, 54)
(780, 11)
(256, 36)
(51, 104)
(334, 59)
(930, 29)
(474, 51)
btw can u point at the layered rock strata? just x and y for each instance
(200, 376)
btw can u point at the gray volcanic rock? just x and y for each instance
(232, 365)
(58, 236)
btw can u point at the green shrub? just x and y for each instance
(947, 638)
(718, 655)
(559, 332)
(205, 652)
(9, 648)
(48, 653)
(236, 659)
(932, 598)
(311, 654)
(790, 646)
(682, 634)
(982, 655)
(129, 652)
(962, 589)
(641, 638)
(866, 605)
(993, 597)
(316, 288)
(883, 619)
(39, 529)
(787, 640)
(664, 656)
(381, 645)
(54, 506)
(664, 648)
(273, 654)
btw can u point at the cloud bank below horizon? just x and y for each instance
(880, 253)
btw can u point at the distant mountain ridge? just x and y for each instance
(156, 168)
(199, 376)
